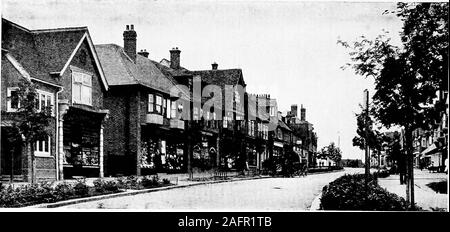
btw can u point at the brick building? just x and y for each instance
(145, 133)
(64, 65)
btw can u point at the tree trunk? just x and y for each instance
(409, 167)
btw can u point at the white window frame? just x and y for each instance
(47, 94)
(82, 84)
(8, 101)
(151, 103)
(39, 152)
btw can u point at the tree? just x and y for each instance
(30, 124)
(375, 138)
(407, 78)
(332, 152)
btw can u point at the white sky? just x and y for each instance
(287, 49)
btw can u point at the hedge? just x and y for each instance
(31, 194)
(349, 192)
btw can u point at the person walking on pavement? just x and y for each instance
(402, 168)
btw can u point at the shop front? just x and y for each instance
(204, 152)
(162, 150)
(82, 143)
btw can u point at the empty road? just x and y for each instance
(271, 194)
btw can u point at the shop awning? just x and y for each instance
(429, 149)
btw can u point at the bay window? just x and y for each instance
(157, 104)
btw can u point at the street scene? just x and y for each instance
(224, 106)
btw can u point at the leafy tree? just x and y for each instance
(407, 77)
(332, 152)
(375, 138)
(29, 124)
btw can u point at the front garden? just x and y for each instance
(32, 194)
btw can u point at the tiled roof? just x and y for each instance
(220, 77)
(42, 52)
(283, 125)
(121, 70)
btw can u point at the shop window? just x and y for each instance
(42, 147)
(13, 103)
(81, 88)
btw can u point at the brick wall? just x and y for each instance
(122, 130)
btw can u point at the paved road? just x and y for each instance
(272, 194)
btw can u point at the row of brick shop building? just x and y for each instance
(117, 112)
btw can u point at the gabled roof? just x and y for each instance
(47, 51)
(121, 70)
(283, 125)
(221, 77)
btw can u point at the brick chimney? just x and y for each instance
(175, 58)
(214, 66)
(144, 53)
(302, 113)
(129, 42)
(294, 110)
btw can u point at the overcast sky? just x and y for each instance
(287, 49)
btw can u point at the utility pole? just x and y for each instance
(366, 139)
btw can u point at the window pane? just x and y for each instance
(158, 100)
(76, 91)
(14, 99)
(42, 99)
(77, 77)
(158, 108)
(168, 105)
(87, 80)
(150, 107)
(47, 145)
(86, 95)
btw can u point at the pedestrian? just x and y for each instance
(402, 169)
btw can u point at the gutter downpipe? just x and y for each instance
(57, 133)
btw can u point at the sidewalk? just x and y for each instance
(425, 197)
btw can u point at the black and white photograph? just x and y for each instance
(224, 106)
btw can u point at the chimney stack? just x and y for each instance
(214, 66)
(175, 58)
(294, 110)
(129, 42)
(144, 53)
(302, 113)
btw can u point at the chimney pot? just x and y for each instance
(132, 27)
(144, 53)
(214, 66)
